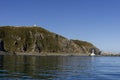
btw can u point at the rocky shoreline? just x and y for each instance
(44, 54)
(55, 54)
(110, 54)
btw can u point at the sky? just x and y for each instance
(95, 21)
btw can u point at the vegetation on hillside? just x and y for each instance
(37, 39)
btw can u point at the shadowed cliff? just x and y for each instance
(36, 39)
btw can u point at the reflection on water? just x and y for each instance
(58, 68)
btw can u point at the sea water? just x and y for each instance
(14, 67)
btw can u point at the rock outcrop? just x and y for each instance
(87, 47)
(37, 39)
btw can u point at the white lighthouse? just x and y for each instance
(35, 25)
(93, 52)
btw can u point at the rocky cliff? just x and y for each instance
(37, 39)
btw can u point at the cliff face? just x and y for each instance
(37, 39)
(87, 47)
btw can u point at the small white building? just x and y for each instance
(34, 25)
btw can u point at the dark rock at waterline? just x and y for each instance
(1, 45)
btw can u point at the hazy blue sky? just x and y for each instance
(96, 21)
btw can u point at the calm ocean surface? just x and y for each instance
(59, 68)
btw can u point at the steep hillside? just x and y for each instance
(37, 39)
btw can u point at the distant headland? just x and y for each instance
(25, 39)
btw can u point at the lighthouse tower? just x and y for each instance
(93, 52)
(34, 25)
